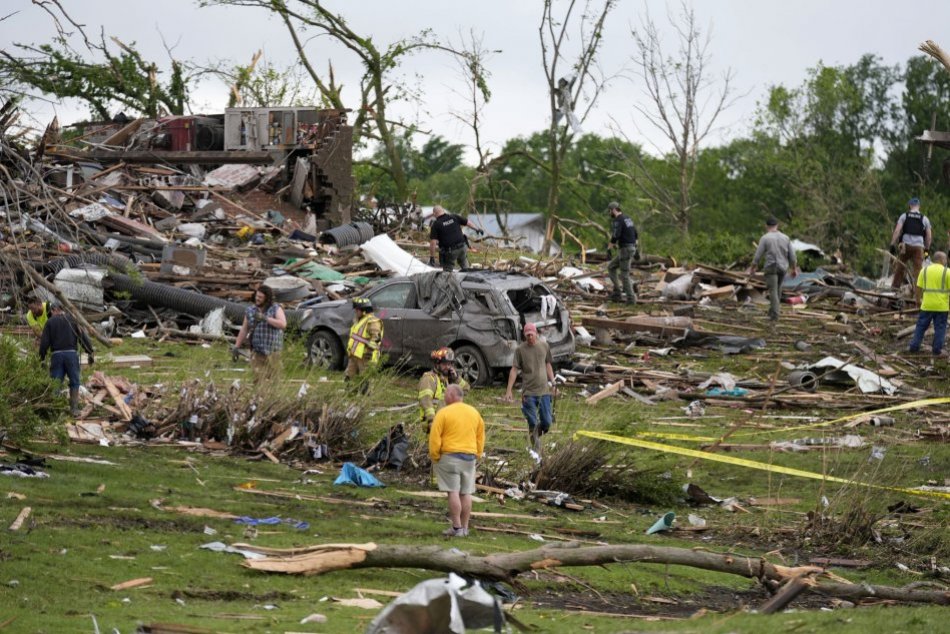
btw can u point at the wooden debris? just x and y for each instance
(20, 518)
(608, 391)
(132, 583)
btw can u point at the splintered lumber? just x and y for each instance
(505, 566)
(608, 391)
(786, 594)
(117, 398)
(132, 583)
(18, 522)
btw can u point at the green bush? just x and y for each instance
(30, 406)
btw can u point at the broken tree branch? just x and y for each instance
(321, 559)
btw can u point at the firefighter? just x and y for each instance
(366, 336)
(433, 383)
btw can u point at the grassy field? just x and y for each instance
(94, 525)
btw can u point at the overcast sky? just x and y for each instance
(764, 42)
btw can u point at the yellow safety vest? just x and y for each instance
(37, 323)
(359, 342)
(430, 397)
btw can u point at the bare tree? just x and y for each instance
(681, 102)
(377, 88)
(571, 73)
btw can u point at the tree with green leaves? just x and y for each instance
(113, 78)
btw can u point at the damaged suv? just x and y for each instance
(479, 314)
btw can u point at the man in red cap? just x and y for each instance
(533, 361)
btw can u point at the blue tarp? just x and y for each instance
(353, 475)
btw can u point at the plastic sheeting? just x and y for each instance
(353, 475)
(867, 381)
(437, 606)
(388, 256)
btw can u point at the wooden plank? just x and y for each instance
(610, 390)
(132, 583)
(668, 326)
(18, 522)
(117, 398)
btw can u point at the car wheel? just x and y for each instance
(472, 366)
(324, 350)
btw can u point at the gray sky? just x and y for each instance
(764, 42)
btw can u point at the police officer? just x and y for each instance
(366, 337)
(912, 236)
(446, 235)
(433, 383)
(623, 235)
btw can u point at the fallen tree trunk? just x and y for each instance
(321, 559)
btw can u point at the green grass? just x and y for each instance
(80, 541)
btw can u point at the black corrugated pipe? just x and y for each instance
(154, 293)
(180, 299)
(346, 235)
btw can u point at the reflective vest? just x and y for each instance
(37, 323)
(360, 338)
(431, 392)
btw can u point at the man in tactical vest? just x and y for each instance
(911, 238)
(624, 236)
(446, 235)
(366, 336)
(433, 383)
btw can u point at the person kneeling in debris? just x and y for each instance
(37, 315)
(533, 360)
(263, 329)
(433, 383)
(63, 337)
(366, 337)
(456, 440)
(932, 291)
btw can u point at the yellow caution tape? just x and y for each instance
(751, 464)
(893, 408)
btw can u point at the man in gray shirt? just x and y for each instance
(779, 255)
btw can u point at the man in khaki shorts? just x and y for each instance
(456, 440)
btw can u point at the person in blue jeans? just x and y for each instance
(934, 296)
(533, 361)
(62, 338)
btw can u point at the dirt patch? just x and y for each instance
(124, 523)
(232, 595)
(710, 599)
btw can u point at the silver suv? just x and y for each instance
(479, 314)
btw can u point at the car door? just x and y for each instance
(390, 302)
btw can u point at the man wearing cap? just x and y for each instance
(623, 234)
(779, 256)
(446, 236)
(63, 338)
(912, 236)
(533, 361)
(933, 293)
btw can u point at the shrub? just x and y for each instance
(30, 406)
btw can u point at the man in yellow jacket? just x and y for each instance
(433, 383)
(456, 441)
(366, 337)
(934, 295)
(37, 314)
